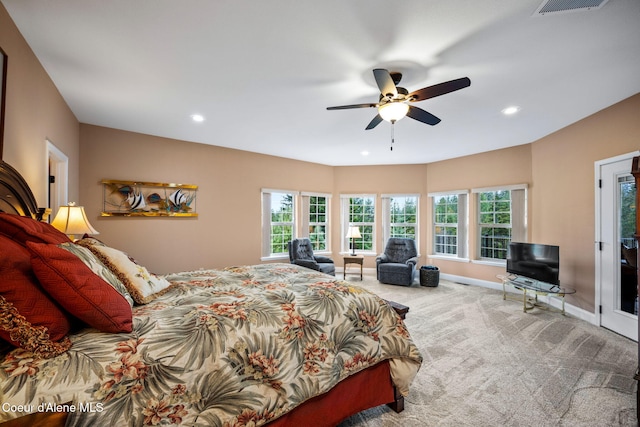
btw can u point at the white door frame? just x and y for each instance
(58, 166)
(598, 228)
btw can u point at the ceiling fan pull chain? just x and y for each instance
(393, 122)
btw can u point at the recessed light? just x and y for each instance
(509, 111)
(364, 153)
(197, 118)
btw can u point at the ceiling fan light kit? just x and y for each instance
(393, 111)
(394, 101)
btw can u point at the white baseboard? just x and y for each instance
(578, 312)
(553, 302)
(356, 270)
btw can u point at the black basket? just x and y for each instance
(429, 275)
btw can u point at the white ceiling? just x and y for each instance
(263, 72)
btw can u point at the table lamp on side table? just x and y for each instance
(72, 221)
(353, 233)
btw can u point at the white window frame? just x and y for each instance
(267, 223)
(462, 225)
(306, 223)
(386, 217)
(345, 204)
(518, 216)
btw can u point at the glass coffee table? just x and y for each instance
(531, 289)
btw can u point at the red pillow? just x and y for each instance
(79, 290)
(20, 290)
(23, 229)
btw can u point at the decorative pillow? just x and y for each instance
(91, 261)
(28, 317)
(27, 336)
(87, 240)
(143, 286)
(79, 290)
(23, 229)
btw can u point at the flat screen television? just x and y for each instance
(534, 261)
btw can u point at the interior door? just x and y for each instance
(615, 265)
(59, 169)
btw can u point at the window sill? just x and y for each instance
(496, 263)
(448, 258)
(323, 253)
(359, 253)
(275, 258)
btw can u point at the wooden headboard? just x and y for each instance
(16, 196)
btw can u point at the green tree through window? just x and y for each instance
(282, 222)
(495, 223)
(403, 217)
(362, 215)
(318, 222)
(627, 211)
(446, 224)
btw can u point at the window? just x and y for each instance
(627, 211)
(495, 223)
(359, 211)
(501, 219)
(315, 221)
(400, 216)
(450, 224)
(278, 213)
(445, 233)
(282, 221)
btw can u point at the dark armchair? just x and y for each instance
(397, 265)
(301, 253)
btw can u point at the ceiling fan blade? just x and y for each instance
(396, 77)
(422, 116)
(375, 122)
(385, 82)
(346, 107)
(439, 89)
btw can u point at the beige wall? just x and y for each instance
(511, 166)
(35, 112)
(227, 230)
(564, 191)
(558, 170)
(378, 180)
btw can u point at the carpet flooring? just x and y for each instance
(487, 363)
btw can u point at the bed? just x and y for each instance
(268, 344)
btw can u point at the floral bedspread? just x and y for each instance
(231, 347)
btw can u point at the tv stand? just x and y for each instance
(530, 289)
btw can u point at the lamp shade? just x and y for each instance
(354, 233)
(393, 111)
(72, 220)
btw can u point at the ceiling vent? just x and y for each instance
(564, 6)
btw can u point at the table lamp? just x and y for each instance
(353, 233)
(72, 220)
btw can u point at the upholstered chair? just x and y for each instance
(397, 265)
(301, 253)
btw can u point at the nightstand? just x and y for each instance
(353, 259)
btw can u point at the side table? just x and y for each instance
(353, 259)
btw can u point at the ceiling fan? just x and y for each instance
(394, 101)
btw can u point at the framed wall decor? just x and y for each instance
(3, 90)
(148, 199)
